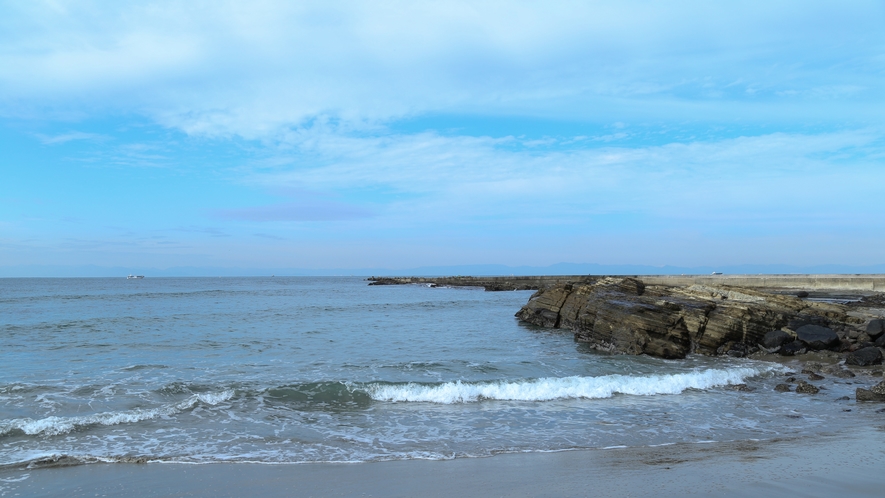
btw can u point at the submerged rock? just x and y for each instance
(806, 388)
(783, 388)
(862, 394)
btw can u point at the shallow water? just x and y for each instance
(329, 369)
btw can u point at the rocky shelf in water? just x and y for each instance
(838, 317)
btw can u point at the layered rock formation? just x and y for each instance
(624, 315)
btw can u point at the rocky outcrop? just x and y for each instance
(624, 315)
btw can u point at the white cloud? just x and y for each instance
(67, 137)
(252, 69)
(743, 180)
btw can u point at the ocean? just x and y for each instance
(283, 370)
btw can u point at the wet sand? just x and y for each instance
(839, 464)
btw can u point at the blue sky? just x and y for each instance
(327, 134)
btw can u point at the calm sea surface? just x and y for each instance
(301, 369)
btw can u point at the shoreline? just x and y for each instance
(844, 463)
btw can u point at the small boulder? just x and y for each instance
(806, 388)
(803, 320)
(880, 342)
(792, 348)
(879, 388)
(776, 339)
(814, 376)
(876, 327)
(743, 388)
(783, 388)
(802, 294)
(817, 337)
(864, 357)
(839, 372)
(862, 394)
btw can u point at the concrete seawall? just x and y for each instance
(853, 283)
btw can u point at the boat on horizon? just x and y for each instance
(130, 277)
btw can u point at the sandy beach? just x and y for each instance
(839, 464)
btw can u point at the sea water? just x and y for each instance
(302, 369)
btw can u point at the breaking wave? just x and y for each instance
(546, 389)
(52, 426)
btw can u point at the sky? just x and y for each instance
(392, 135)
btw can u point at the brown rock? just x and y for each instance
(862, 394)
(623, 315)
(806, 388)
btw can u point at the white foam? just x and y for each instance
(551, 388)
(52, 426)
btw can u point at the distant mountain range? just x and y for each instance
(478, 270)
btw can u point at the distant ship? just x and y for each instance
(129, 277)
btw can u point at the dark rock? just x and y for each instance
(384, 281)
(741, 350)
(862, 394)
(783, 388)
(837, 371)
(843, 398)
(743, 388)
(817, 337)
(879, 388)
(791, 379)
(776, 339)
(792, 348)
(802, 294)
(876, 328)
(802, 320)
(806, 388)
(814, 376)
(864, 357)
(880, 342)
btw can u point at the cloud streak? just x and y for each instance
(296, 211)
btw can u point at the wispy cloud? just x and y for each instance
(70, 136)
(211, 231)
(297, 211)
(432, 177)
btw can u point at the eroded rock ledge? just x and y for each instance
(624, 315)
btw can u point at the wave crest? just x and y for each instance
(546, 389)
(53, 426)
